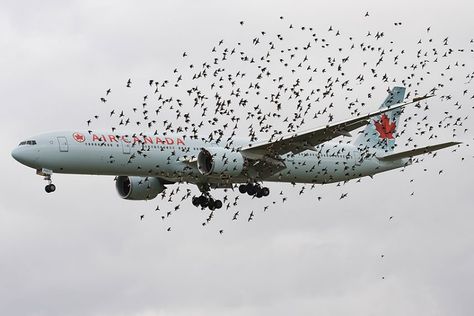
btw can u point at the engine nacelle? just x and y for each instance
(218, 160)
(138, 188)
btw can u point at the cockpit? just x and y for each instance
(27, 142)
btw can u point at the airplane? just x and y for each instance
(144, 165)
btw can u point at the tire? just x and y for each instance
(203, 201)
(196, 201)
(251, 189)
(211, 205)
(259, 193)
(46, 188)
(218, 204)
(243, 188)
(52, 187)
(265, 191)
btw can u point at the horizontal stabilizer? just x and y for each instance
(416, 152)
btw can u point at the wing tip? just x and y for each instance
(424, 97)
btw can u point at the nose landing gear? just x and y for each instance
(50, 187)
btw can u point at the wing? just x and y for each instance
(302, 141)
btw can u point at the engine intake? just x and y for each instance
(218, 160)
(138, 188)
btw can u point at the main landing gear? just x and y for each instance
(254, 190)
(205, 200)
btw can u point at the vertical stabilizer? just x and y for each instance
(379, 135)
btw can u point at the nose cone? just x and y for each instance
(16, 153)
(25, 156)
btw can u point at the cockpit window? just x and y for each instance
(28, 142)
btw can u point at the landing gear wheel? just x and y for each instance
(50, 188)
(251, 189)
(196, 201)
(211, 205)
(203, 201)
(254, 189)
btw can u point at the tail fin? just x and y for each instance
(379, 134)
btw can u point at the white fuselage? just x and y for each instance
(169, 158)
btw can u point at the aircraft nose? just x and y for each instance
(24, 156)
(16, 154)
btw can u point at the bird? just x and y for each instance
(275, 102)
(250, 217)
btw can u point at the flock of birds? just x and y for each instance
(275, 83)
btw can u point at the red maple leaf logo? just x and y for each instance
(385, 127)
(79, 137)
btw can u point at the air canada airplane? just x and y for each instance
(144, 165)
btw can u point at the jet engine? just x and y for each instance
(138, 188)
(218, 160)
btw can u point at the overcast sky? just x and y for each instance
(84, 251)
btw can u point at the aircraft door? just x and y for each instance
(126, 147)
(63, 145)
(356, 155)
